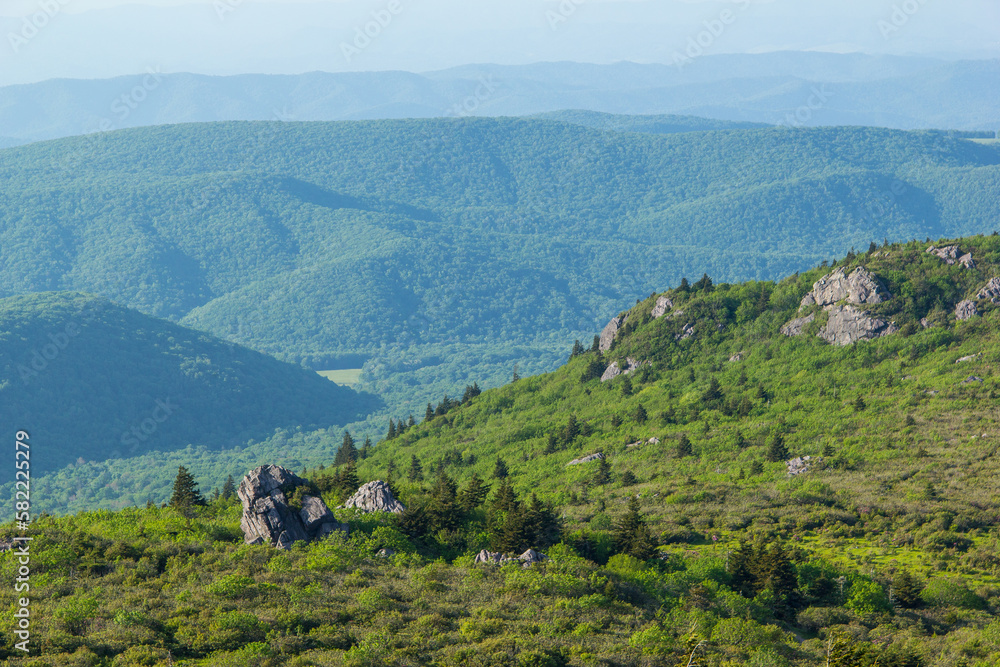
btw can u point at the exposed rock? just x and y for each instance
(654, 441)
(990, 291)
(966, 310)
(663, 304)
(527, 559)
(375, 496)
(971, 379)
(628, 366)
(586, 459)
(860, 287)
(848, 325)
(610, 331)
(530, 557)
(925, 323)
(686, 332)
(967, 261)
(971, 357)
(491, 557)
(632, 445)
(948, 253)
(267, 517)
(739, 356)
(385, 553)
(798, 325)
(801, 465)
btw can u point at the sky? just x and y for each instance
(45, 39)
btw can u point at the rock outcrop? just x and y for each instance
(860, 287)
(966, 310)
(971, 379)
(663, 305)
(269, 519)
(686, 332)
(990, 291)
(586, 459)
(801, 465)
(527, 559)
(630, 365)
(610, 331)
(798, 325)
(952, 254)
(375, 496)
(848, 325)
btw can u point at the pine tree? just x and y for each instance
(602, 475)
(541, 524)
(347, 452)
(392, 430)
(872, 247)
(186, 495)
(703, 285)
(366, 448)
(429, 414)
(626, 386)
(684, 286)
(551, 444)
(684, 447)
(577, 349)
(412, 422)
(713, 393)
(474, 494)
(416, 470)
(906, 590)
(500, 470)
(859, 404)
(505, 499)
(515, 377)
(776, 450)
(348, 479)
(443, 509)
(632, 536)
(596, 345)
(628, 478)
(229, 488)
(571, 430)
(639, 416)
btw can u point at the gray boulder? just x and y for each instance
(798, 325)
(375, 496)
(948, 253)
(586, 459)
(848, 325)
(971, 379)
(967, 261)
(860, 287)
(801, 465)
(990, 291)
(966, 310)
(610, 331)
(267, 517)
(663, 304)
(628, 366)
(686, 332)
(527, 559)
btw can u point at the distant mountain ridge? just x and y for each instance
(766, 88)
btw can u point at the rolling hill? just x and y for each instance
(91, 381)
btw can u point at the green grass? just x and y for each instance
(346, 376)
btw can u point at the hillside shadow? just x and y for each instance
(318, 196)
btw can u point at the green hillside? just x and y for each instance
(93, 381)
(439, 252)
(693, 541)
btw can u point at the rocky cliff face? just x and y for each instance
(663, 305)
(375, 496)
(615, 369)
(268, 518)
(848, 325)
(610, 331)
(797, 326)
(860, 287)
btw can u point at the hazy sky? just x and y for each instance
(101, 38)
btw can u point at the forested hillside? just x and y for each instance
(700, 535)
(446, 251)
(93, 381)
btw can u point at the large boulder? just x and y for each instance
(269, 519)
(952, 254)
(375, 496)
(615, 369)
(990, 291)
(848, 325)
(663, 304)
(966, 310)
(797, 326)
(586, 459)
(610, 331)
(860, 287)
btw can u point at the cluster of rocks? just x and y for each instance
(527, 559)
(952, 254)
(587, 459)
(971, 357)
(686, 332)
(990, 292)
(662, 306)
(964, 310)
(269, 519)
(801, 465)
(639, 443)
(615, 369)
(375, 496)
(971, 379)
(840, 294)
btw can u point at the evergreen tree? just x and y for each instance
(505, 499)
(859, 404)
(714, 392)
(515, 377)
(632, 536)
(443, 510)
(412, 422)
(348, 479)
(872, 247)
(414, 521)
(703, 285)
(684, 447)
(416, 470)
(347, 452)
(639, 416)
(500, 470)
(474, 493)
(628, 478)
(577, 349)
(551, 444)
(392, 430)
(596, 345)
(571, 430)
(542, 524)
(684, 286)
(429, 415)
(626, 386)
(471, 392)
(229, 488)
(366, 448)
(776, 450)
(602, 475)
(186, 495)
(906, 590)
(595, 369)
